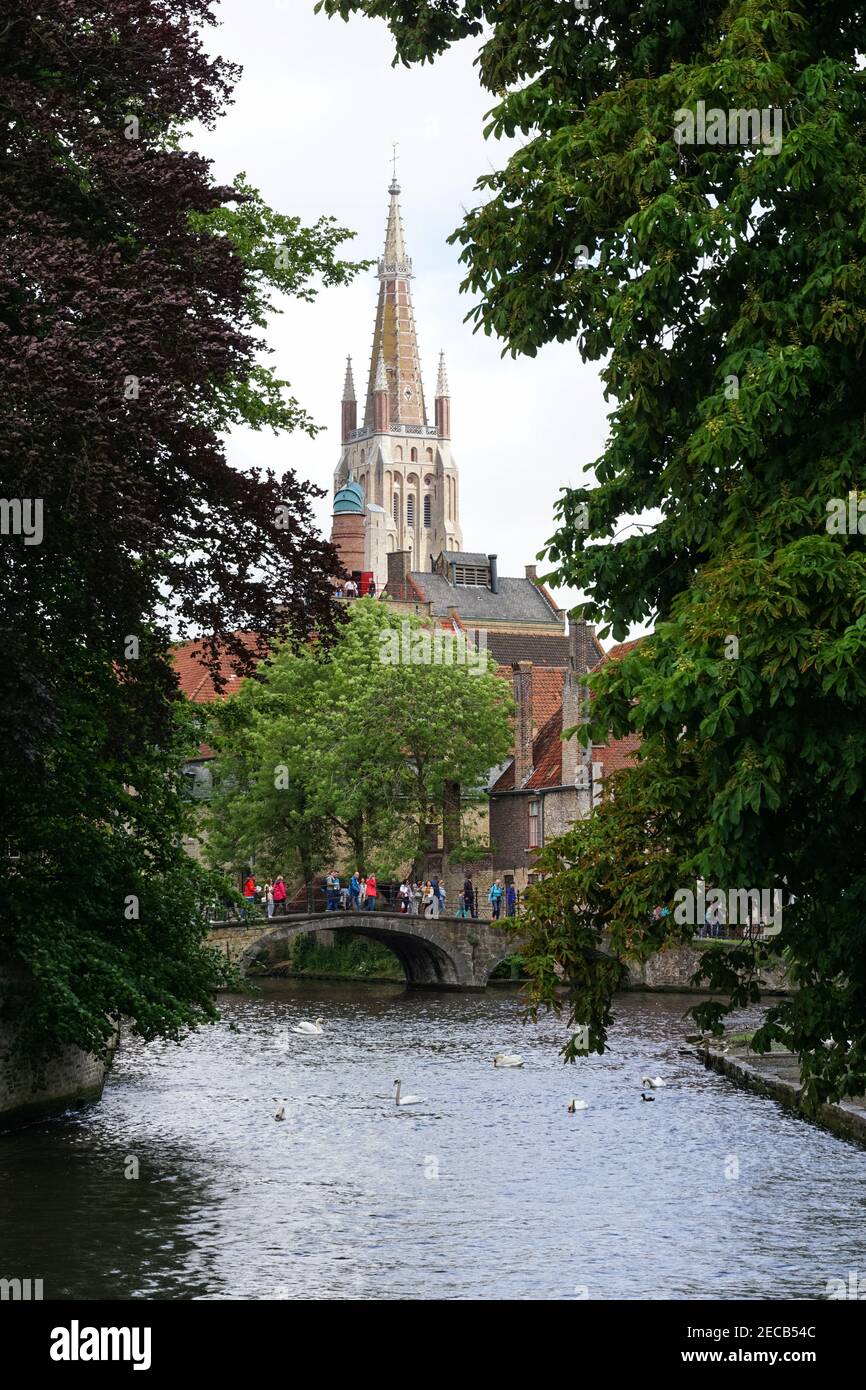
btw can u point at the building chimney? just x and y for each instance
(521, 677)
(531, 573)
(399, 565)
(582, 650)
(494, 574)
(575, 701)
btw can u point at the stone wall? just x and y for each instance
(73, 1078)
(673, 969)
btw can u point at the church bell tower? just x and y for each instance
(402, 464)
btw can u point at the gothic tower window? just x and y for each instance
(410, 510)
(413, 454)
(398, 453)
(429, 455)
(427, 510)
(396, 506)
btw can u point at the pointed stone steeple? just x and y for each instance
(380, 382)
(394, 337)
(442, 403)
(349, 383)
(381, 400)
(350, 405)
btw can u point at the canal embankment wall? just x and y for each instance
(777, 1074)
(72, 1078)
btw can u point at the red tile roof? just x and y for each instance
(547, 744)
(546, 690)
(194, 675)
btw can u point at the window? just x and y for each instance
(396, 506)
(430, 455)
(427, 511)
(410, 510)
(413, 455)
(534, 824)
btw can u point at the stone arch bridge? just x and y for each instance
(435, 953)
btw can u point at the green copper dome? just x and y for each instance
(350, 498)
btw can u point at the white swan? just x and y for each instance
(508, 1059)
(653, 1081)
(576, 1105)
(406, 1100)
(309, 1029)
(281, 1113)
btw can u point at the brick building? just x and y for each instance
(551, 782)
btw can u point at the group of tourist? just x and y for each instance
(349, 589)
(360, 894)
(272, 895)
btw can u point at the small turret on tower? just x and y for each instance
(350, 404)
(381, 403)
(443, 401)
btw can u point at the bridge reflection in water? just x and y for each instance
(437, 952)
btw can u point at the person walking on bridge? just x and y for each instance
(355, 891)
(280, 894)
(494, 897)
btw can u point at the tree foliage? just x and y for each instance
(134, 291)
(720, 286)
(339, 750)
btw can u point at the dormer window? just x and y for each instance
(472, 576)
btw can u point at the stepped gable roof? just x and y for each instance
(517, 600)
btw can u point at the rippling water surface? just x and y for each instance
(490, 1189)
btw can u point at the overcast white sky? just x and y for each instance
(314, 119)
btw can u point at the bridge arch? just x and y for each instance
(437, 953)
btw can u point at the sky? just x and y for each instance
(315, 116)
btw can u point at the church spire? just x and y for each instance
(350, 405)
(349, 383)
(394, 337)
(442, 403)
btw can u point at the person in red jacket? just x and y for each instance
(280, 895)
(370, 900)
(250, 893)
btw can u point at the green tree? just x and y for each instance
(719, 282)
(134, 291)
(363, 741)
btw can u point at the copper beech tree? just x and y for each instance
(134, 294)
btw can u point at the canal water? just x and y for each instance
(181, 1184)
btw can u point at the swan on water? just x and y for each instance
(281, 1113)
(508, 1059)
(406, 1100)
(309, 1029)
(643, 1097)
(653, 1081)
(576, 1105)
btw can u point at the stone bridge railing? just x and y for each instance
(435, 952)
